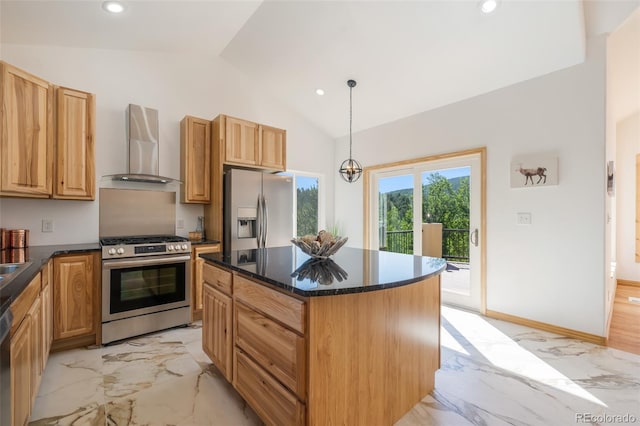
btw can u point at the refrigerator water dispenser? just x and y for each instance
(247, 217)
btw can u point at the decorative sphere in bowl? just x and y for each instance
(320, 246)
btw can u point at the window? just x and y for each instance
(308, 202)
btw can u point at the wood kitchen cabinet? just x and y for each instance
(46, 297)
(255, 336)
(21, 374)
(76, 320)
(273, 148)
(217, 315)
(197, 264)
(74, 147)
(241, 142)
(35, 317)
(26, 136)
(269, 368)
(27, 350)
(293, 354)
(252, 144)
(47, 143)
(195, 160)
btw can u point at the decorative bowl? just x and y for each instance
(320, 247)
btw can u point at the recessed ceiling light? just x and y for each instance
(319, 92)
(488, 6)
(113, 6)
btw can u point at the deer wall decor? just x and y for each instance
(530, 173)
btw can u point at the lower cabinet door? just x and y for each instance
(35, 316)
(271, 401)
(216, 329)
(73, 296)
(47, 323)
(21, 374)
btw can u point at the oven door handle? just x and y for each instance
(117, 263)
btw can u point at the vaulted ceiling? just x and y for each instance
(407, 56)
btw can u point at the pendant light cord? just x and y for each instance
(350, 117)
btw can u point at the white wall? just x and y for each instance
(551, 271)
(176, 85)
(623, 136)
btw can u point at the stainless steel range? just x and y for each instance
(145, 267)
(145, 284)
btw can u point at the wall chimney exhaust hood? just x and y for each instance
(143, 135)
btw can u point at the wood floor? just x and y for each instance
(624, 332)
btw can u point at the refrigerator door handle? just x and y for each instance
(259, 221)
(265, 221)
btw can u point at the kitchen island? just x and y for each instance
(351, 340)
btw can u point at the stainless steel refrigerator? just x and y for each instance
(258, 210)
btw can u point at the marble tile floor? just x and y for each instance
(493, 373)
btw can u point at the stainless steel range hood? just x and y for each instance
(144, 147)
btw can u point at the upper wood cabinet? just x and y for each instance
(26, 134)
(75, 160)
(75, 296)
(195, 160)
(241, 142)
(46, 138)
(254, 145)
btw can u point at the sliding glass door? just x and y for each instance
(433, 208)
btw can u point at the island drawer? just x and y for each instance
(272, 401)
(277, 349)
(217, 278)
(282, 308)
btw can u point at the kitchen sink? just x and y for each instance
(9, 271)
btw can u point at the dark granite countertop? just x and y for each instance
(38, 256)
(350, 270)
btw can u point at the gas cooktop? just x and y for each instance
(144, 245)
(142, 239)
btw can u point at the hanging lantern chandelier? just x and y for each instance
(350, 169)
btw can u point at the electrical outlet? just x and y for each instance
(180, 224)
(524, 218)
(47, 225)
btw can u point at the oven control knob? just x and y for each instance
(170, 247)
(184, 247)
(112, 251)
(120, 250)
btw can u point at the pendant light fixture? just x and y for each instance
(350, 169)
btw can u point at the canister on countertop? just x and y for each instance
(19, 238)
(4, 238)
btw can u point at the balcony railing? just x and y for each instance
(455, 243)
